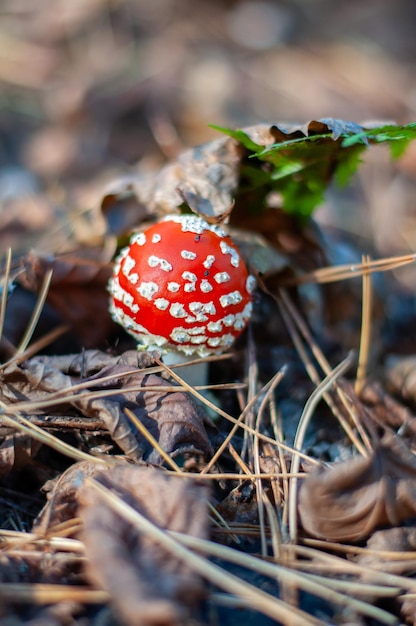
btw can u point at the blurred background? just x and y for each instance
(91, 89)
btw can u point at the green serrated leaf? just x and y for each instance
(240, 136)
(301, 168)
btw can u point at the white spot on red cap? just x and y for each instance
(227, 340)
(222, 277)
(180, 335)
(161, 304)
(250, 283)
(247, 311)
(239, 323)
(155, 261)
(133, 278)
(188, 255)
(173, 287)
(205, 286)
(209, 261)
(202, 307)
(128, 265)
(215, 327)
(147, 289)
(156, 237)
(228, 320)
(214, 342)
(192, 278)
(234, 297)
(198, 330)
(197, 340)
(226, 249)
(177, 310)
(195, 224)
(139, 238)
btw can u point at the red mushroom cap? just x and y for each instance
(182, 285)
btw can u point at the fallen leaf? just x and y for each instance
(63, 496)
(351, 499)
(400, 377)
(144, 581)
(78, 293)
(172, 418)
(206, 176)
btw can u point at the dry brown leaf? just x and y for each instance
(382, 544)
(63, 496)
(145, 582)
(386, 410)
(348, 501)
(173, 419)
(399, 540)
(400, 377)
(78, 293)
(206, 176)
(240, 506)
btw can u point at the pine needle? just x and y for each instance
(4, 294)
(304, 420)
(344, 272)
(36, 313)
(365, 337)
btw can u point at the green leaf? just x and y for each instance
(240, 136)
(300, 162)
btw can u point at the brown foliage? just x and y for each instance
(77, 292)
(142, 578)
(171, 417)
(350, 500)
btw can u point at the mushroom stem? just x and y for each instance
(195, 374)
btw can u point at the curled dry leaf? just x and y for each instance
(389, 553)
(146, 583)
(399, 540)
(78, 293)
(348, 501)
(400, 377)
(172, 418)
(205, 176)
(63, 496)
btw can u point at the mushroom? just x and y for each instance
(182, 287)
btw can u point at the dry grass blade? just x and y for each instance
(234, 420)
(144, 431)
(304, 420)
(343, 272)
(68, 395)
(290, 313)
(365, 338)
(50, 594)
(36, 313)
(268, 386)
(36, 346)
(11, 539)
(392, 555)
(261, 601)
(321, 588)
(345, 567)
(6, 282)
(20, 423)
(262, 499)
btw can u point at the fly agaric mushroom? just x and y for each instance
(182, 286)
